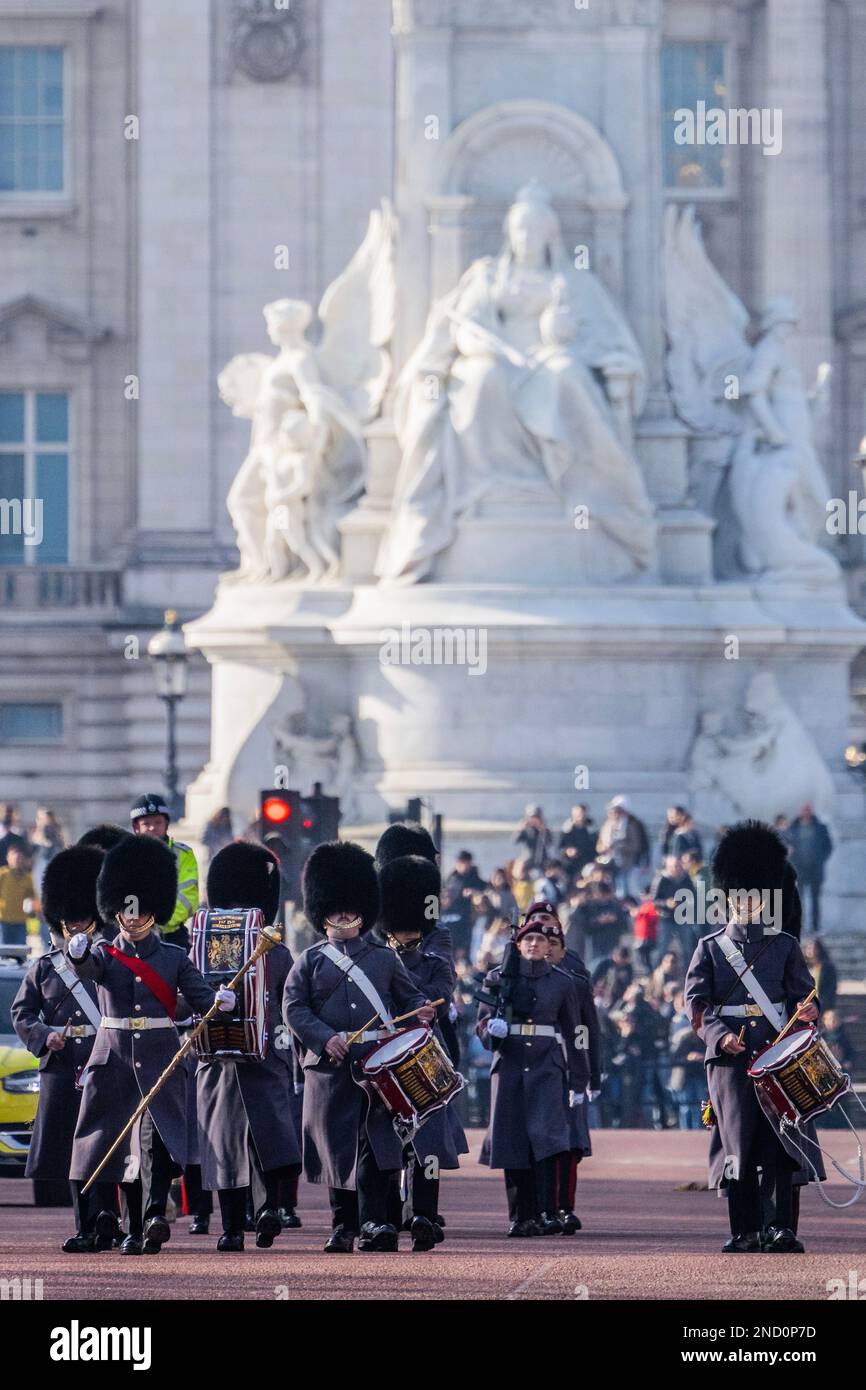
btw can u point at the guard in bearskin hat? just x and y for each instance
(333, 989)
(246, 1131)
(408, 838)
(532, 1029)
(410, 889)
(138, 979)
(580, 1143)
(744, 982)
(55, 1014)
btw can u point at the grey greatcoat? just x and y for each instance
(530, 1075)
(743, 1134)
(124, 1064)
(319, 1001)
(237, 1097)
(578, 1116)
(441, 1134)
(44, 1004)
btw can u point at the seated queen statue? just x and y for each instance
(511, 396)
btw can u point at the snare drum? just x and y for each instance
(221, 943)
(412, 1075)
(798, 1076)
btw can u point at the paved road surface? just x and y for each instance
(643, 1238)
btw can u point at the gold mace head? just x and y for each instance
(270, 936)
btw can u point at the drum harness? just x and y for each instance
(746, 976)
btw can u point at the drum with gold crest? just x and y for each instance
(221, 942)
(798, 1076)
(412, 1074)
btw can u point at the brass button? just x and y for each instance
(754, 1023)
(138, 979)
(77, 1013)
(138, 1064)
(78, 1040)
(138, 1006)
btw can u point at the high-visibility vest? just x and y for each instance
(187, 886)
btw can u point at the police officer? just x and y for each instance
(536, 1062)
(744, 982)
(332, 990)
(247, 1134)
(410, 890)
(56, 1017)
(138, 979)
(150, 815)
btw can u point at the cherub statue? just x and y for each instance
(308, 406)
(753, 456)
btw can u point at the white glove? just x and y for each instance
(575, 1098)
(79, 945)
(226, 999)
(497, 1028)
(452, 1013)
(593, 1095)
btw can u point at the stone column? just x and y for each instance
(174, 290)
(423, 124)
(632, 124)
(797, 247)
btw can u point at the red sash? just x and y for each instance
(155, 983)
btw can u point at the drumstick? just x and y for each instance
(741, 1036)
(796, 1014)
(433, 1004)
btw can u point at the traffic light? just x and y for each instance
(320, 819)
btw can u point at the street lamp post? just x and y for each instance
(167, 651)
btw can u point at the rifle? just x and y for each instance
(511, 993)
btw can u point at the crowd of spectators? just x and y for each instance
(25, 852)
(624, 905)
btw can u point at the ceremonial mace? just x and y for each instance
(268, 937)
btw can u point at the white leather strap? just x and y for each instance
(735, 958)
(354, 973)
(76, 987)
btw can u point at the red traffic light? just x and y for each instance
(276, 810)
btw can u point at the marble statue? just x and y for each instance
(523, 387)
(308, 405)
(332, 760)
(756, 761)
(752, 416)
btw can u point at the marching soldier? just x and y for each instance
(56, 1017)
(246, 1129)
(532, 1034)
(333, 988)
(410, 890)
(744, 982)
(150, 815)
(138, 979)
(580, 1145)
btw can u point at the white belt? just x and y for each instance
(751, 1010)
(372, 1035)
(135, 1025)
(534, 1030)
(75, 1030)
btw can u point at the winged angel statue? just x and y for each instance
(754, 463)
(308, 406)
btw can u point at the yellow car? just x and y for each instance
(19, 1083)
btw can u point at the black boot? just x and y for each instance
(550, 1224)
(268, 1227)
(105, 1231)
(230, 1244)
(569, 1222)
(340, 1242)
(78, 1245)
(156, 1232)
(423, 1233)
(521, 1229)
(289, 1219)
(780, 1240)
(378, 1239)
(747, 1244)
(200, 1226)
(132, 1246)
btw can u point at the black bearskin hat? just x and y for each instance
(410, 888)
(403, 839)
(245, 875)
(750, 857)
(105, 836)
(340, 877)
(140, 871)
(69, 886)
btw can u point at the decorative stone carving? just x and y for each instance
(308, 405)
(754, 452)
(498, 405)
(757, 760)
(267, 43)
(332, 760)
